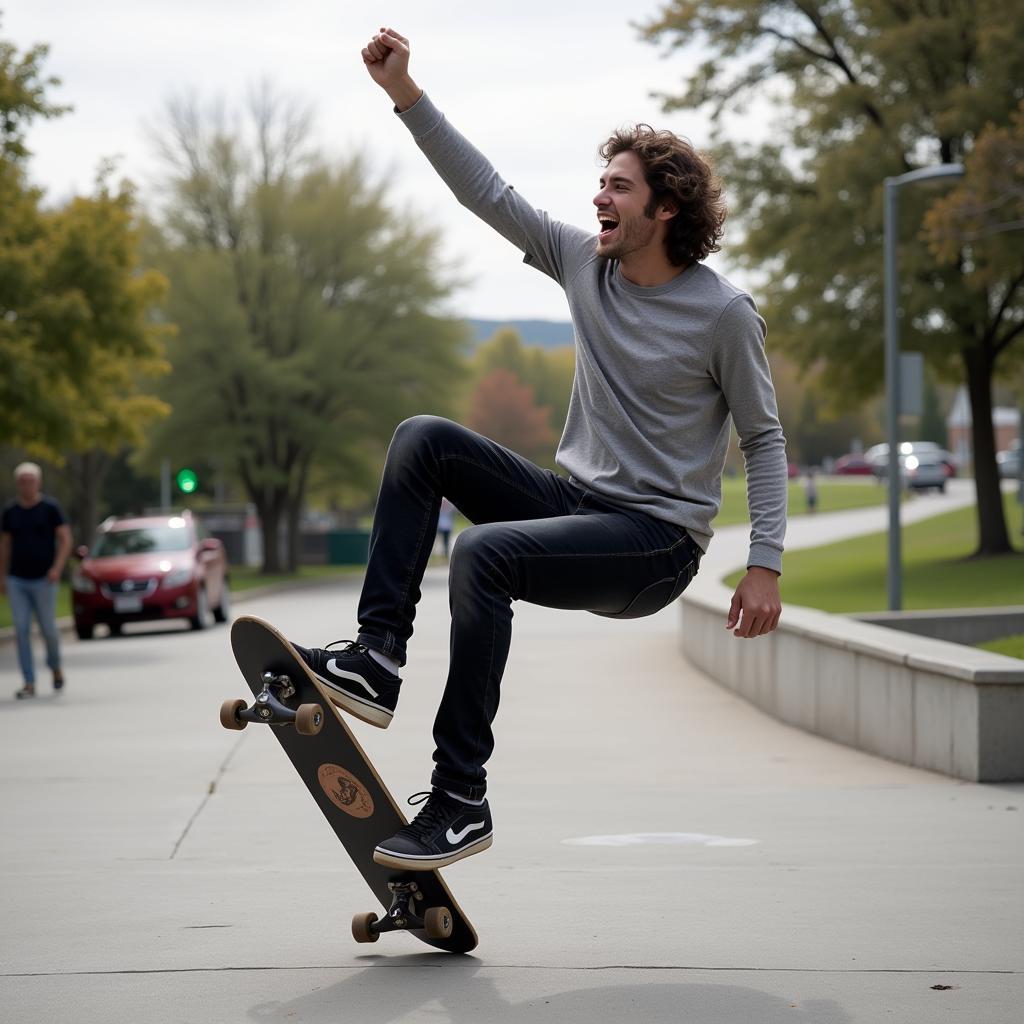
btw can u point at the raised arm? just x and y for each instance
(554, 248)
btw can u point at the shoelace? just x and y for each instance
(360, 648)
(434, 812)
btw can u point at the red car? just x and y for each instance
(160, 567)
(852, 465)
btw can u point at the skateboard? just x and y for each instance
(344, 784)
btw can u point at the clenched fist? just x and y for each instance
(386, 57)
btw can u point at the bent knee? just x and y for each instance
(421, 426)
(478, 548)
(471, 545)
(423, 430)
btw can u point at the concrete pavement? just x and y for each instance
(159, 868)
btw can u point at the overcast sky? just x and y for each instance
(536, 85)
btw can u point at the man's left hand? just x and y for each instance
(756, 605)
(54, 574)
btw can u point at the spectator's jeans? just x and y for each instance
(537, 537)
(26, 597)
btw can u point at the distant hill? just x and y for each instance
(544, 333)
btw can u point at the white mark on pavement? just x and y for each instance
(660, 839)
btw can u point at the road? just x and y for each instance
(159, 868)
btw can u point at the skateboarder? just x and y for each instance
(666, 350)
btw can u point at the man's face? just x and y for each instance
(28, 486)
(624, 195)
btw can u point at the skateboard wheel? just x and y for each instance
(437, 922)
(361, 928)
(309, 719)
(229, 714)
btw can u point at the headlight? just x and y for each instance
(81, 584)
(178, 578)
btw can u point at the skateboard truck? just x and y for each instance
(269, 708)
(403, 915)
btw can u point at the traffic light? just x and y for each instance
(186, 480)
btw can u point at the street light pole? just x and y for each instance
(894, 580)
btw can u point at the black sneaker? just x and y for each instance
(58, 680)
(444, 831)
(28, 690)
(357, 683)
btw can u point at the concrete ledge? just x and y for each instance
(924, 702)
(960, 625)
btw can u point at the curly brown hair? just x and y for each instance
(678, 176)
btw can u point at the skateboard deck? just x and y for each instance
(344, 784)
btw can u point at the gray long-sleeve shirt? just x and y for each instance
(658, 370)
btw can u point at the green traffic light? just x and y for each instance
(187, 481)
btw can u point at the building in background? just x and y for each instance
(1005, 420)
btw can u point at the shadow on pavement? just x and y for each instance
(428, 987)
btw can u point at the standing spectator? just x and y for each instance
(811, 488)
(445, 523)
(35, 542)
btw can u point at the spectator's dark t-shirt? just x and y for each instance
(33, 537)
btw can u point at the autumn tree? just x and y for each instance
(866, 89)
(78, 342)
(504, 410)
(547, 373)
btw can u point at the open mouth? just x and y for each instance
(608, 228)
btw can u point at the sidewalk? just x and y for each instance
(663, 851)
(728, 550)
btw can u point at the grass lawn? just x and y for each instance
(849, 576)
(833, 496)
(246, 578)
(1009, 645)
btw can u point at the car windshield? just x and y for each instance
(141, 541)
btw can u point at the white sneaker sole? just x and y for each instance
(362, 710)
(430, 863)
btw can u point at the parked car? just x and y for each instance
(852, 465)
(878, 455)
(924, 471)
(159, 567)
(1008, 461)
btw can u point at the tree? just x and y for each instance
(871, 88)
(22, 97)
(77, 341)
(547, 373)
(980, 224)
(503, 409)
(307, 307)
(114, 346)
(27, 410)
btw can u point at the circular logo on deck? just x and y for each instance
(345, 791)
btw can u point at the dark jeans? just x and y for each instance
(537, 537)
